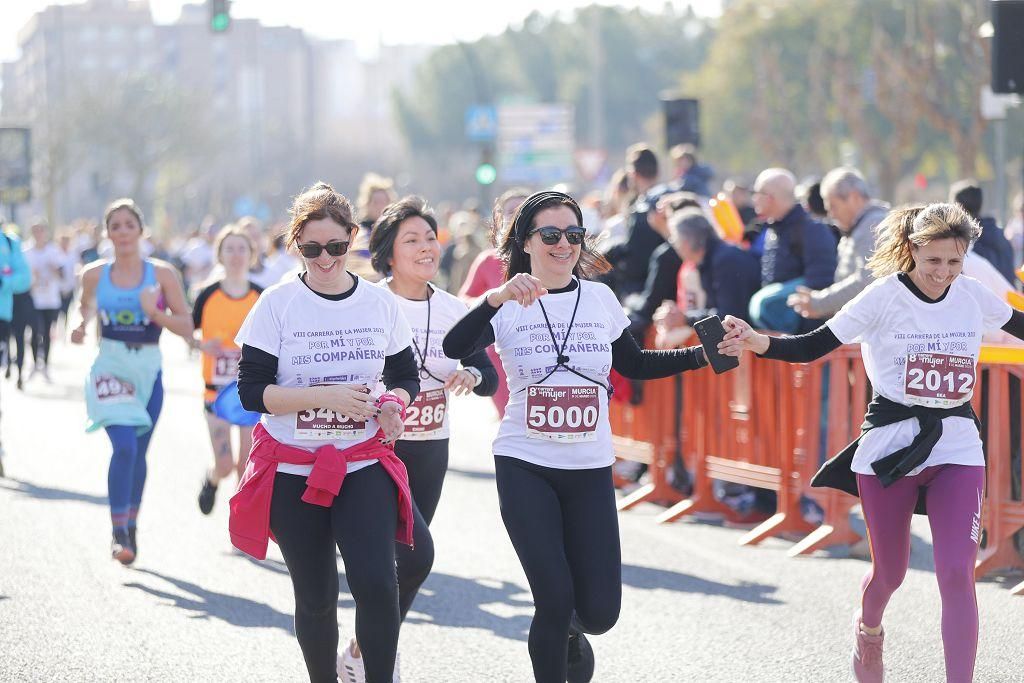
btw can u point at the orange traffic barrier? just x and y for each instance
(761, 425)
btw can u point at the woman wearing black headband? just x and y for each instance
(558, 336)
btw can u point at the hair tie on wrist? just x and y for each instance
(391, 398)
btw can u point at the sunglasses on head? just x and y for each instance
(333, 248)
(551, 235)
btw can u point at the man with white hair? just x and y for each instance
(798, 252)
(848, 202)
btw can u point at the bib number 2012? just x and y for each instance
(939, 380)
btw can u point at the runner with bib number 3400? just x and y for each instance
(558, 336)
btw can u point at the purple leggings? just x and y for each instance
(954, 496)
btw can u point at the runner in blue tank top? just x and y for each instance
(135, 299)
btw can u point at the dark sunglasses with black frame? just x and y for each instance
(333, 248)
(551, 235)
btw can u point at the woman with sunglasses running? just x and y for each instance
(404, 248)
(322, 472)
(558, 336)
(919, 326)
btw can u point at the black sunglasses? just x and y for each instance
(551, 235)
(333, 248)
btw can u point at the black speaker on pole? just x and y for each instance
(1008, 46)
(682, 122)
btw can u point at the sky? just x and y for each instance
(370, 22)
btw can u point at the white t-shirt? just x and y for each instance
(47, 263)
(568, 427)
(318, 341)
(921, 353)
(427, 418)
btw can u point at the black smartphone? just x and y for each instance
(711, 331)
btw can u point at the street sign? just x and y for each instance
(15, 165)
(481, 123)
(535, 143)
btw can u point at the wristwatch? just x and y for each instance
(476, 373)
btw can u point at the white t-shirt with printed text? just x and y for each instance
(422, 422)
(318, 341)
(921, 353)
(568, 424)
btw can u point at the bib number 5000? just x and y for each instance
(562, 413)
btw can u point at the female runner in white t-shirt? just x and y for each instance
(404, 248)
(919, 326)
(322, 472)
(558, 336)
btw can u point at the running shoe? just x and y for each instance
(867, 654)
(207, 496)
(580, 662)
(351, 669)
(121, 548)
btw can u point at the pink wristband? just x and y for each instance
(391, 398)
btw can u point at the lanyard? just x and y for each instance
(561, 359)
(422, 355)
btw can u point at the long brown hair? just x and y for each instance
(915, 226)
(516, 260)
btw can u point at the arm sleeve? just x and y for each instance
(197, 309)
(1015, 325)
(257, 370)
(802, 348)
(488, 374)
(471, 334)
(629, 360)
(400, 372)
(819, 256)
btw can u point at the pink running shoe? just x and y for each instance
(867, 654)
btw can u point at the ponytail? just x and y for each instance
(892, 242)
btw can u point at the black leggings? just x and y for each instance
(361, 523)
(42, 327)
(21, 319)
(564, 527)
(426, 462)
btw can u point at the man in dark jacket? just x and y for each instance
(992, 245)
(798, 252)
(690, 175)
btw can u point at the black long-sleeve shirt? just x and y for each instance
(474, 333)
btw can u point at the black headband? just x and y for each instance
(524, 214)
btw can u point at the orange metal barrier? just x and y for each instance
(761, 425)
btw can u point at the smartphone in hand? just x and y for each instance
(710, 331)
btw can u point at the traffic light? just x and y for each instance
(220, 15)
(486, 173)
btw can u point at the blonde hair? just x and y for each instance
(915, 226)
(373, 183)
(234, 230)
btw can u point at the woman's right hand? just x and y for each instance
(78, 334)
(523, 289)
(350, 400)
(740, 336)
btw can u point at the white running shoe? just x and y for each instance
(351, 669)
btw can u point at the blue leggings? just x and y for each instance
(127, 474)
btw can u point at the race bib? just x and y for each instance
(323, 424)
(938, 380)
(425, 417)
(565, 414)
(110, 389)
(225, 366)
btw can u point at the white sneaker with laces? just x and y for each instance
(351, 669)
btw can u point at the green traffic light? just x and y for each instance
(220, 22)
(486, 174)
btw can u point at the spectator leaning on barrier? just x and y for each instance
(849, 204)
(630, 259)
(690, 176)
(992, 245)
(798, 251)
(663, 267)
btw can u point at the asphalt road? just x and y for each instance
(696, 606)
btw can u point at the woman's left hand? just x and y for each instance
(390, 421)
(460, 382)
